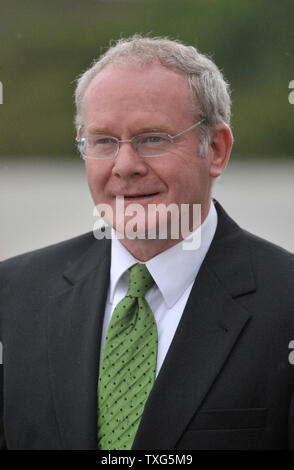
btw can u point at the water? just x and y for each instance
(44, 202)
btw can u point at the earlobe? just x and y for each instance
(220, 149)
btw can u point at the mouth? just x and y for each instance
(138, 196)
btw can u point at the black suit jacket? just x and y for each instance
(226, 382)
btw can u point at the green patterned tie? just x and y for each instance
(128, 365)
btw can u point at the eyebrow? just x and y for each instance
(141, 130)
(97, 130)
(153, 129)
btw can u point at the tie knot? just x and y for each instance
(140, 280)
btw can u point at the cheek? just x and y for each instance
(97, 176)
(96, 184)
(189, 182)
(181, 176)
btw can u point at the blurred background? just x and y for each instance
(44, 46)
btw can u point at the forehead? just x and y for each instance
(121, 89)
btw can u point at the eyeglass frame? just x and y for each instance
(129, 141)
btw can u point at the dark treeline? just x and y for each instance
(45, 45)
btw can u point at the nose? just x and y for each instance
(127, 163)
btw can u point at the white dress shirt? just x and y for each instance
(174, 272)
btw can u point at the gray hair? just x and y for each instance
(210, 96)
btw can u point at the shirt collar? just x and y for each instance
(174, 269)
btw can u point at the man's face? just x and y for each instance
(123, 101)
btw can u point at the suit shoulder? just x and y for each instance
(272, 262)
(269, 250)
(45, 259)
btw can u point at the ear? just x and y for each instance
(79, 133)
(220, 149)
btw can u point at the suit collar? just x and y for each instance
(229, 256)
(92, 258)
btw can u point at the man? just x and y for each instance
(138, 342)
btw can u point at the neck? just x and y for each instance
(145, 249)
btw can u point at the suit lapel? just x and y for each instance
(209, 328)
(75, 319)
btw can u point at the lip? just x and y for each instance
(138, 197)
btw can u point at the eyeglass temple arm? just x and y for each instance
(189, 128)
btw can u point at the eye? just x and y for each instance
(152, 139)
(97, 140)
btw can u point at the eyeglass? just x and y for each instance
(149, 144)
